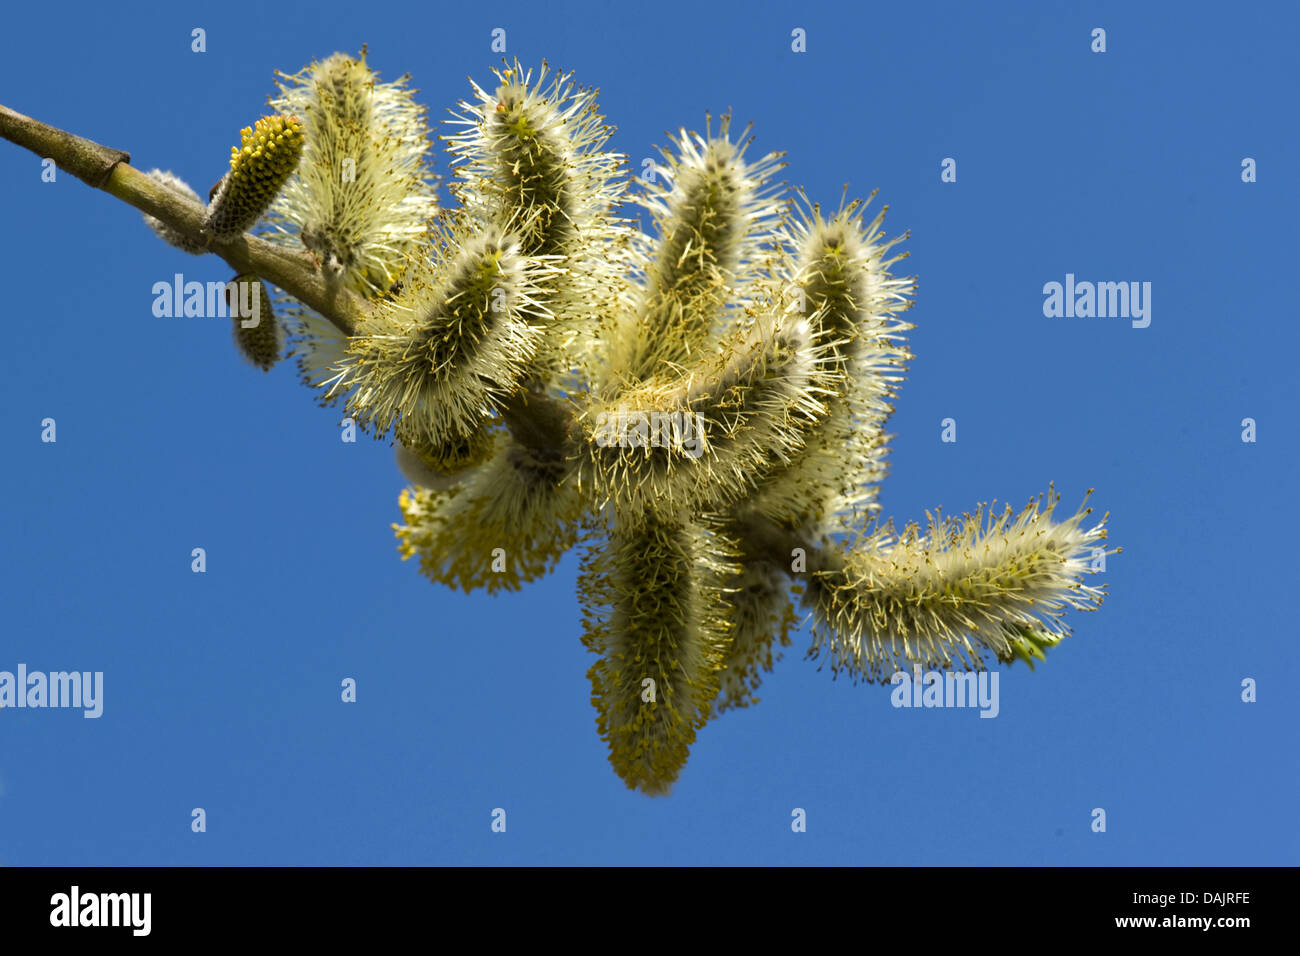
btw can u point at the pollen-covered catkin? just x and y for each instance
(841, 274)
(656, 613)
(704, 437)
(442, 355)
(496, 526)
(530, 158)
(713, 212)
(260, 165)
(363, 195)
(963, 590)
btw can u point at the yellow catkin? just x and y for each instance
(446, 351)
(260, 165)
(505, 523)
(363, 195)
(964, 590)
(655, 612)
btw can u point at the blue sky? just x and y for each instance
(221, 690)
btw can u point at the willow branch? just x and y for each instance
(540, 423)
(109, 169)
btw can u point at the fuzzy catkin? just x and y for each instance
(363, 196)
(841, 270)
(713, 212)
(655, 612)
(746, 404)
(493, 527)
(258, 336)
(530, 158)
(445, 352)
(962, 591)
(165, 232)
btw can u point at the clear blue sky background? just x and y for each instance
(222, 689)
